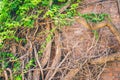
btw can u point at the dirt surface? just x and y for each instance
(83, 42)
(85, 38)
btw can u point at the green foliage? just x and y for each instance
(22, 13)
(13, 15)
(18, 77)
(92, 17)
(61, 0)
(4, 57)
(8, 60)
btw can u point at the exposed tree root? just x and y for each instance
(102, 60)
(46, 55)
(106, 23)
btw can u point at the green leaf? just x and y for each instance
(61, 0)
(18, 77)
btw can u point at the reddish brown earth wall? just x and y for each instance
(112, 71)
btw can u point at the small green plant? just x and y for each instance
(30, 64)
(95, 18)
(18, 77)
(92, 17)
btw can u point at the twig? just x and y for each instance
(8, 69)
(6, 76)
(37, 27)
(59, 65)
(36, 57)
(73, 72)
(29, 50)
(62, 62)
(98, 77)
(48, 68)
(101, 60)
